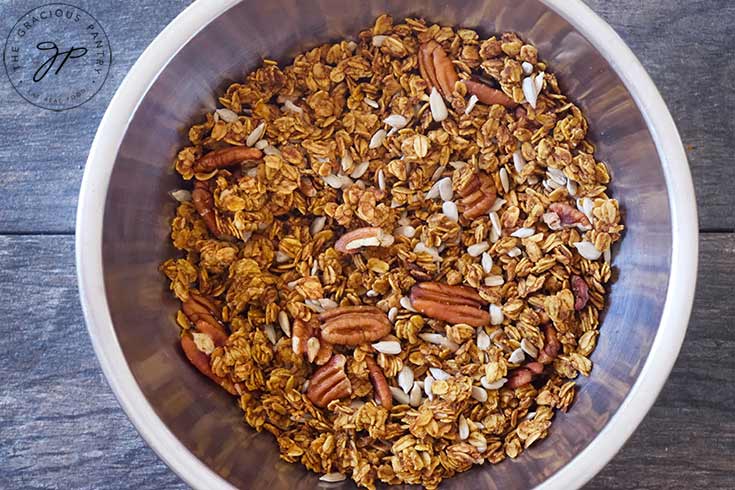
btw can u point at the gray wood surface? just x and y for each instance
(60, 425)
(42, 153)
(685, 46)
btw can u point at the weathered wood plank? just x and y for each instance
(43, 152)
(680, 43)
(684, 46)
(61, 426)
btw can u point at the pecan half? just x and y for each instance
(581, 292)
(380, 384)
(489, 95)
(519, 377)
(436, 68)
(354, 325)
(203, 201)
(329, 382)
(226, 157)
(203, 312)
(199, 307)
(452, 304)
(562, 215)
(215, 331)
(370, 236)
(524, 375)
(552, 346)
(305, 340)
(417, 272)
(426, 62)
(200, 360)
(478, 196)
(306, 186)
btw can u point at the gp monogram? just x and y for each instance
(57, 56)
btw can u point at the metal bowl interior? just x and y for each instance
(137, 212)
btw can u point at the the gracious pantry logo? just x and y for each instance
(57, 56)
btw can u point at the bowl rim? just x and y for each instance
(643, 393)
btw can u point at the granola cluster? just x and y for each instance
(395, 251)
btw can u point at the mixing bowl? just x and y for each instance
(124, 211)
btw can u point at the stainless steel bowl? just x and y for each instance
(124, 211)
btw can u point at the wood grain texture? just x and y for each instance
(681, 44)
(62, 427)
(685, 46)
(42, 154)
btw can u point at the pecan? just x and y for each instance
(452, 304)
(203, 312)
(203, 201)
(215, 331)
(351, 242)
(562, 215)
(489, 95)
(380, 384)
(201, 308)
(524, 375)
(426, 62)
(552, 346)
(329, 382)
(436, 68)
(354, 325)
(581, 292)
(300, 334)
(200, 360)
(226, 157)
(519, 377)
(417, 272)
(543, 316)
(306, 186)
(535, 367)
(478, 196)
(305, 340)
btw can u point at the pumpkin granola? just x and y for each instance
(395, 251)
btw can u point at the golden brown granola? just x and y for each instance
(395, 252)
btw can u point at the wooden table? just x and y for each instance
(60, 425)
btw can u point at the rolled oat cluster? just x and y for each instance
(394, 251)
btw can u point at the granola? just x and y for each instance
(395, 251)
